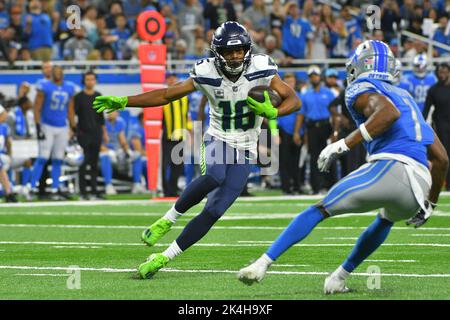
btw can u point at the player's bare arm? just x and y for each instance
(298, 124)
(438, 157)
(380, 113)
(39, 100)
(291, 102)
(71, 114)
(153, 98)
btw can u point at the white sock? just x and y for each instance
(341, 273)
(265, 260)
(172, 215)
(172, 251)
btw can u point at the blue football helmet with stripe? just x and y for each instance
(420, 65)
(372, 59)
(231, 35)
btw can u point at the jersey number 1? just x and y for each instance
(244, 119)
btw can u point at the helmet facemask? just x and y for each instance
(231, 66)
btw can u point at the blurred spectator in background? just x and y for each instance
(352, 27)
(326, 15)
(9, 49)
(90, 129)
(200, 49)
(122, 33)
(217, 12)
(190, 23)
(315, 114)
(139, 162)
(78, 47)
(89, 23)
(340, 41)
(4, 17)
(321, 37)
(297, 33)
(442, 35)
(258, 15)
(390, 15)
(38, 28)
(276, 20)
(270, 44)
(114, 150)
(17, 24)
(115, 9)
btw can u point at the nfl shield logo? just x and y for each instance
(218, 93)
(369, 63)
(235, 89)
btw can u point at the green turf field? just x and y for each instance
(38, 243)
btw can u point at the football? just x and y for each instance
(257, 93)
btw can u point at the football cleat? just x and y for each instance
(156, 231)
(334, 284)
(252, 273)
(155, 262)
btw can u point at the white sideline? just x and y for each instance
(153, 202)
(403, 275)
(239, 244)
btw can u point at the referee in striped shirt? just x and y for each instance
(175, 123)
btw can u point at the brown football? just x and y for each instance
(257, 93)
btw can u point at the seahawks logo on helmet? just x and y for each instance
(231, 35)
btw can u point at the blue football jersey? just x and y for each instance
(418, 87)
(56, 102)
(113, 132)
(409, 135)
(4, 134)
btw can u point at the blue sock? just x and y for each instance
(137, 170)
(38, 167)
(11, 178)
(298, 229)
(56, 172)
(368, 242)
(26, 176)
(106, 167)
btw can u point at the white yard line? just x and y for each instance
(430, 235)
(386, 260)
(239, 244)
(88, 226)
(340, 238)
(402, 275)
(154, 202)
(41, 275)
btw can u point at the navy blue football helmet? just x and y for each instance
(231, 35)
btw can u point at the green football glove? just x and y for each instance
(265, 109)
(109, 103)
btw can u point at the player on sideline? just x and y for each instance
(53, 100)
(419, 82)
(230, 142)
(397, 178)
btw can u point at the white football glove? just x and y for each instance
(423, 215)
(330, 153)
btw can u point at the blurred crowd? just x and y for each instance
(287, 30)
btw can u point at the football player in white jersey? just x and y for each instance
(229, 147)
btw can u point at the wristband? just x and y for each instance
(365, 134)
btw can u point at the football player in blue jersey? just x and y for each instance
(5, 159)
(54, 100)
(230, 143)
(419, 82)
(403, 178)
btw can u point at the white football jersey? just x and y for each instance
(231, 120)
